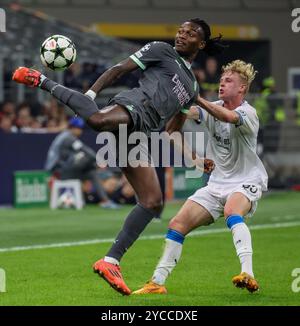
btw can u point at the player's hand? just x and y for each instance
(193, 113)
(204, 164)
(209, 165)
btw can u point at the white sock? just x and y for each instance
(42, 78)
(168, 261)
(111, 260)
(242, 242)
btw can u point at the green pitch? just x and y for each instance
(54, 275)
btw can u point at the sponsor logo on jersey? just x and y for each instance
(224, 142)
(180, 91)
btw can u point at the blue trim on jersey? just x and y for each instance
(200, 119)
(175, 236)
(233, 220)
(241, 120)
(200, 113)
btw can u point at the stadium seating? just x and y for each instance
(91, 46)
(201, 4)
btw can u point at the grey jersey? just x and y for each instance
(167, 81)
(64, 146)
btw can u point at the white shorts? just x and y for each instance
(213, 198)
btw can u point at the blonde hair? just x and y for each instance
(245, 70)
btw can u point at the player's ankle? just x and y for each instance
(159, 278)
(111, 260)
(42, 79)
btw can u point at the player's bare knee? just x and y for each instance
(154, 203)
(177, 225)
(229, 211)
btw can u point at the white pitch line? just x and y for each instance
(147, 237)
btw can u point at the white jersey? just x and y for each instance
(233, 149)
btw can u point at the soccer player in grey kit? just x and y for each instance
(166, 90)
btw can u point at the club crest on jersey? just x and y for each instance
(145, 47)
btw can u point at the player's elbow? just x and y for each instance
(116, 72)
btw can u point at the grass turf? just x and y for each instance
(63, 276)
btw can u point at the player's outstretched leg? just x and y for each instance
(81, 104)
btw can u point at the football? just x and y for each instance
(58, 52)
(66, 200)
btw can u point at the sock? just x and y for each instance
(42, 78)
(90, 94)
(111, 260)
(134, 225)
(81, 104)
(242, 242)
(170, 257)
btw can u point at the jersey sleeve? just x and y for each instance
(184, 111)
(203, 115)
(248, 120)
(150, 54)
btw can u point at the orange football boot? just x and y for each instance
(245, 280)
(151, 288)
(27, 76)
(112, 275)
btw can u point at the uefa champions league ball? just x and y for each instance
(66, 200)
(58, 52)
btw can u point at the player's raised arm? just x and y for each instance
(218, 111)
(112, 74)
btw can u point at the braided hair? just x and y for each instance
(214, 45)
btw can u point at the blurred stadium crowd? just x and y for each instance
(25, 111)
(49, 115)
(22, 110)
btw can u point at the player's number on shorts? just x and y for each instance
(2, 280)
(296, 282)
(251, 188)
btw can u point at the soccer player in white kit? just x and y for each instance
(234, 187)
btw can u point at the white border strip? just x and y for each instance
(158, 236)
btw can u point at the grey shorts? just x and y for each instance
(144, 117)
